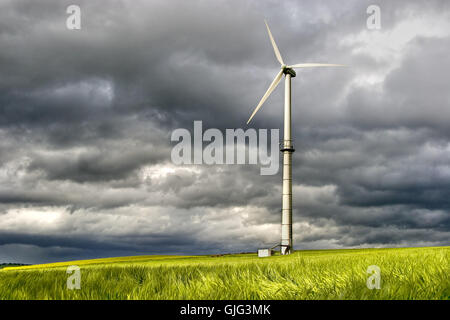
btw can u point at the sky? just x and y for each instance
(86, 118)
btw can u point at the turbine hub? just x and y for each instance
(290, 71)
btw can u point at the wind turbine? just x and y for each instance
(287, 148)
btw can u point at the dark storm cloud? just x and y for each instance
(107, 162)
(86, 118)
(415, 94)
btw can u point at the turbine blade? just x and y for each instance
(309, 65)
(272, 87)
(275, 48)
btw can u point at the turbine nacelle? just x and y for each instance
(289, 70)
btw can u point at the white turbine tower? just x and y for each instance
(287, 148)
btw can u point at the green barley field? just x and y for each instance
(406, 273)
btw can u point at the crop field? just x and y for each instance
(406, 273)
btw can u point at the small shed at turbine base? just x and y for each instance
(265, 253)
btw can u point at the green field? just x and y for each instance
(406, 273)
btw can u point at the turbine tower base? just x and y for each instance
(286, 246)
